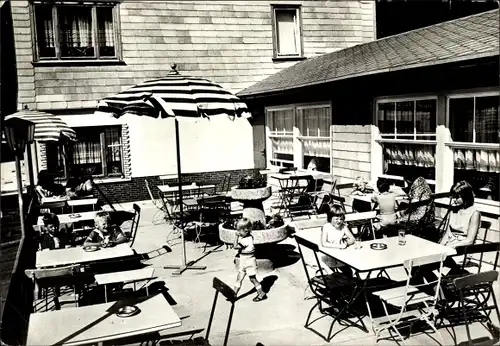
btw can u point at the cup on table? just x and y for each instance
(401, 237)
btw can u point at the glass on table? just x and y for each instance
(402, 237)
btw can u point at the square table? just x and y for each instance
(126, 276)
(98, 323)
(74, 255)
(366, 260)
(81, 202)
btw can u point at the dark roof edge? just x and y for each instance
(270, 92)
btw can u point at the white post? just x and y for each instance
(377, 161)
(298, 149)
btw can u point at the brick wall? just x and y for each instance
(135, 189)
(228, 42)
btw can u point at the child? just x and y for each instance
(386, 202)
(75, 187)
(336, 234)
(104, 234)
(360, 187)
(246, 253)
(52, 237)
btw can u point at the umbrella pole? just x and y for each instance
(184, 265)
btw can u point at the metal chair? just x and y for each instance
(53, 278)
(135, 224)
(322, 196)
(158, 203)
(334, 293)
(416, 302)
(475, 292)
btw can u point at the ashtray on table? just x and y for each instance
(74, 216)
(378, 246)
(127, 311)
(90, 248)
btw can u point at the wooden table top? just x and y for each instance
(97, 323)
(171, 189)
(125, 276)
(366, 259)
(83, 201)
(74, 255)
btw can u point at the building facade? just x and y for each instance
(70, 55)
(425, 101)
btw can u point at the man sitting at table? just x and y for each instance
(105, 234)
(53, 237)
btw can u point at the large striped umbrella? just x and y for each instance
(48, 127)
(175, 96)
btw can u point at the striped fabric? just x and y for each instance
(48, 127)
(174, 96)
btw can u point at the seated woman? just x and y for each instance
(336, 234)
(105, 234)
(46, 187)
(76, 187)
(52, 236)
(464, 218)
(421, 218)
(386, 202)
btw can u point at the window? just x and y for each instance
(408, 119)
(83, 31)
(474, 119)
(313, 125)
(408, 131)
(287, 32)
(98, 152)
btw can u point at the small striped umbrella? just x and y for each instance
(175, 96)
(48, 127)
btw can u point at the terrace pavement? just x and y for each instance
(279, 320)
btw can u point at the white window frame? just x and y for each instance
(473, 95)
(55, 25)
(298, 31)
(406, 136)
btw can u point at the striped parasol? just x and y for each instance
(175, 96)
(48, 127)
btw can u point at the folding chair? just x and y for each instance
(334, 293)
(475, 292)
(449, 296)
(297, 199)
(52, 278)
(323, 195)
(158, 203)
(416, 302)
(230, 295)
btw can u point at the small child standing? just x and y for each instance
(336, 234)
(246, 253)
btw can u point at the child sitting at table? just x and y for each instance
(336, 234)
(52, 236)
(360, 187)
(386, 202)
(105, 234)
(246, 254)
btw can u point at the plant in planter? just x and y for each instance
(254, 181)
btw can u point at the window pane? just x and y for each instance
(487, 119)
(404, 117)
(386, 112)
(112, 137)
(105, 31)
(314, 121)
(287, 32)
(281, 120)
(461, 114)
(425, 117)
(87, 157)
(45, 32)
(76, 31)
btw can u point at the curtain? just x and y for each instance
(425, 116)
(105, 24)
(487, 119)
(420, 155)
(280, 120)
(314, 121)
(286, 32)
(476, 159)
(76, 26)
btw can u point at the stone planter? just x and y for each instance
(252, 202)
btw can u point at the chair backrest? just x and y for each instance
(328, 186)
(135, 223)
(412, 264)
(334, 199)
(311, 247)
(478, 279)
(481, 249)
(51, 273)
(230, 295)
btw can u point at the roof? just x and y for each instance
(460, 39)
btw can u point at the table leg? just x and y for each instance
(106, 293)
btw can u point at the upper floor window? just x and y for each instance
(287, 31)
(474, 118)
(75, 31)
(407, 119)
